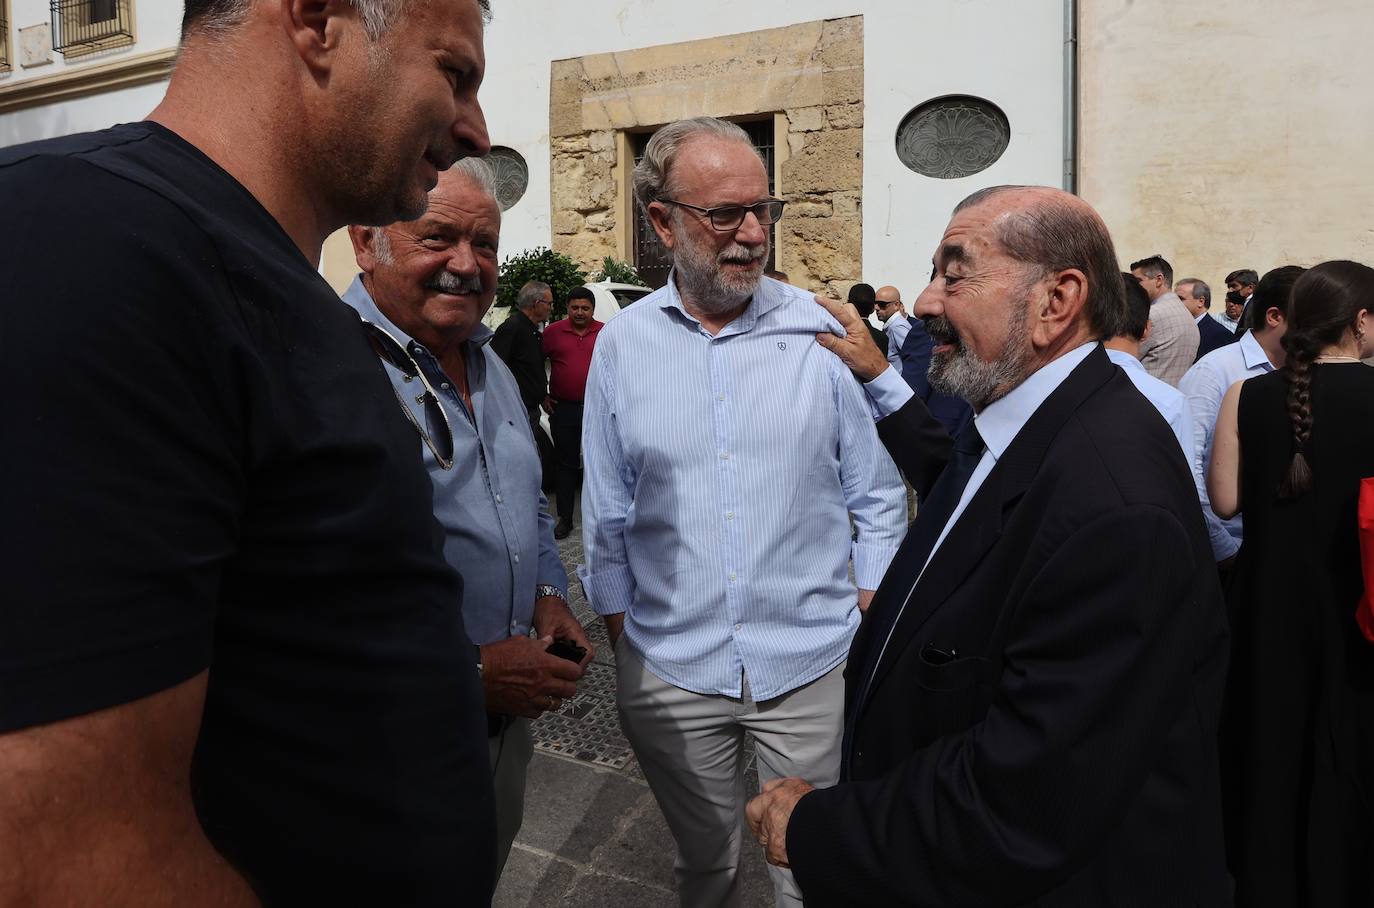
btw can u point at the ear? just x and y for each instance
(1273, 317)
(661, 216)
(1060, 309)
(317, 29)
(362, 238)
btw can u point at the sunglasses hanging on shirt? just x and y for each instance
(436, 432)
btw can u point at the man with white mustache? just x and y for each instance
(726, 452)
(423, 290)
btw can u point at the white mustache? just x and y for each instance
(738, 252)
(445, 282)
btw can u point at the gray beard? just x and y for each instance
(962, 374)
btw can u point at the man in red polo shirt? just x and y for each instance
(568, 346)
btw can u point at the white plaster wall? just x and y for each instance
(1231, 133)
(157, 26)
(1008, 51)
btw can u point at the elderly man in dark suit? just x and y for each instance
(1032, 700)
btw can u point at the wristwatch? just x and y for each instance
(546, 589)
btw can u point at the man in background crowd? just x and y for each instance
(1197, 297)
(568, 345)
(1124, 350)
(1240, 288)
(861, 297)
(1257, 352)
(1173, 342)
(891, 312)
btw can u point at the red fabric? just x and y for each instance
(570, 356)
(1364, 613)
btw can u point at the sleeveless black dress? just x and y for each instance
(1298, 724)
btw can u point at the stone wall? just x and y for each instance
(809, 76)
(1229, 134)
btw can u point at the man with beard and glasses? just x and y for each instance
(423, 290)
(726, 453)
(213, 472)
(1032, 701)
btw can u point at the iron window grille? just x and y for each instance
(4, 40)
(85, 26)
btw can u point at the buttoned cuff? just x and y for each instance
(887, 393)
(1224, 545)
(871, 563)
(610, 592)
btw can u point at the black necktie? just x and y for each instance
(911, 558)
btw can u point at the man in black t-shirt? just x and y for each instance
(232, 660)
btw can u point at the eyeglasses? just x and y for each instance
(729, 217)
(436, 432)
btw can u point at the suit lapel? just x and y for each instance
(980, 525)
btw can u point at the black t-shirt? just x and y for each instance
(205, 467)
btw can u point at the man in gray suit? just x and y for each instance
(1172, 345)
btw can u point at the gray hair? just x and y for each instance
(533, 292)
(1054, 235)
(219, 17)
(476, 170)
(654, 173)
(1200, 289)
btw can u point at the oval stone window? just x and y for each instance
(954, 136)
(512, 175)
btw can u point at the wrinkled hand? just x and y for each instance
(856, 349)
(769, 813)
(520, 679)
(553, 619)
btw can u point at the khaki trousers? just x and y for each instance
(691, 748)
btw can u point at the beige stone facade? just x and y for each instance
(1229, 134)
(808, 77)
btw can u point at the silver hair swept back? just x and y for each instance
(653, 174)
(479, 172)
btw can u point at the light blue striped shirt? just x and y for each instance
(721, 473)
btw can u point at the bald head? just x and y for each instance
(1056, 231)
(887, 302)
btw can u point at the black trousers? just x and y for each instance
(566, 425)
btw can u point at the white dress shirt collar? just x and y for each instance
(1001, 420)
(764, 300)
(1253, 353)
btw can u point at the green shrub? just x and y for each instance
(553, 268)
(618, 272)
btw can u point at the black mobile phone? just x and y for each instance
(566, 649)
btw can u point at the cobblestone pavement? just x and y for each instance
(592, 833)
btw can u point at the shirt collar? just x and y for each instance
(1253, 353)
(1001, 420)
(1125, 360)
(766, 298)
(357, 296)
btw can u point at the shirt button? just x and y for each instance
(732, 576)
(738, 626)
(498, 497)
(729, 515)
(516, 558)
(444, 385)
(724, 455)
(720, 397)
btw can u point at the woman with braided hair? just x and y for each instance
(1298, 725)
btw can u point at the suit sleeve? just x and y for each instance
(917, 442)
(1096, 671)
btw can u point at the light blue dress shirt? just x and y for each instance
(721, 474)
(897, 328)
(497, 531)
(1167, 399)
(1204, 385)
